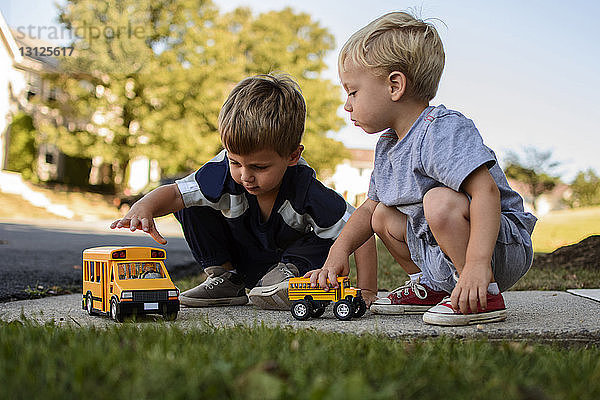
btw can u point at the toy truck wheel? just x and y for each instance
(115, 312)
(168, 316)
(88, 304)
(360, 307)
(318, 310)
(343, 310)
(302, 310)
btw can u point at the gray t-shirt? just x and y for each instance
(441, 149)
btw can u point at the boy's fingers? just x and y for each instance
(332, 279)
(463, 305)
(473, 299)
(483, 298)
(157, 236)
(120, 223)
(454, 298)
(323, 280)
(134, 223)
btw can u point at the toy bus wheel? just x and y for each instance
(302, 310)
(360, 307)
(115, 313)
(88, 304)
(343, 310)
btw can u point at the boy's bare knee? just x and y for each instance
(378, 219)
(444, 207)
(388, 222)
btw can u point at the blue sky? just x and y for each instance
(526, 72)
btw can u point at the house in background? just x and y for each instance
(556, 199)
(21, 80)
(351, 178)
(12, 85)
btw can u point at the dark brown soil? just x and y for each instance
(585, 255)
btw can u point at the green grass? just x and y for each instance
(564, 227)
(158, 361)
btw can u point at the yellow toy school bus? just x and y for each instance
(128, 280)
(311, 302)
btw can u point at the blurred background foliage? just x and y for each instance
(148, 77)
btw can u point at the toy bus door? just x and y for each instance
(103, 283)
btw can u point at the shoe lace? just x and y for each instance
(286, 272)
(211, 282)
(409, 285)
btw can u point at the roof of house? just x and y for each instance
(34, 60)
(8, 40)
(361, 158)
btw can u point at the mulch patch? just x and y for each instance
(584, 255)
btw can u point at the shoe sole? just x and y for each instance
(225, 301)
(274, 297)
(392, 309)
(433, 318)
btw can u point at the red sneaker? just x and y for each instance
(443, 314)
(411, 298)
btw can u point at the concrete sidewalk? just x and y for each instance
(537, 315)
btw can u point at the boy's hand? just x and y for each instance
(139, 218)
(471, 288)
(369, 296)
(332, 268)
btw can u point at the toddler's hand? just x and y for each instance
(471, 288)
(138, 218)
(369, 296)
(332, 268)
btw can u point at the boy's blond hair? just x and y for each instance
(263, 112)
(398, 41)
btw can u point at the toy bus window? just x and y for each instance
(151, 270)
(131, 271)
(86, 274)
(122, 270)
(112, 275)
(97, 271)
(92, 271)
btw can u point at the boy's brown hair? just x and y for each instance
(263, 112)
(398, 41)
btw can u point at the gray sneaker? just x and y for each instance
(271, 292)
(219, 289)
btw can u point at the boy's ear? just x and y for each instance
(397, 82)
(295, 156)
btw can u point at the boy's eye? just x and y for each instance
(352, 93)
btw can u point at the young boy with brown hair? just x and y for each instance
(255, 215)
(438, 199)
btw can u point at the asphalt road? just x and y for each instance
(47, 254)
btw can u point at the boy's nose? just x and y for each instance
(247, 176)
(347, 106)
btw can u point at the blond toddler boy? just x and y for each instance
(437, 198)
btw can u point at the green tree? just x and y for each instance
(300, 46)
(21, 148)
(586, 189)
(149, 78)
(535, 169)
